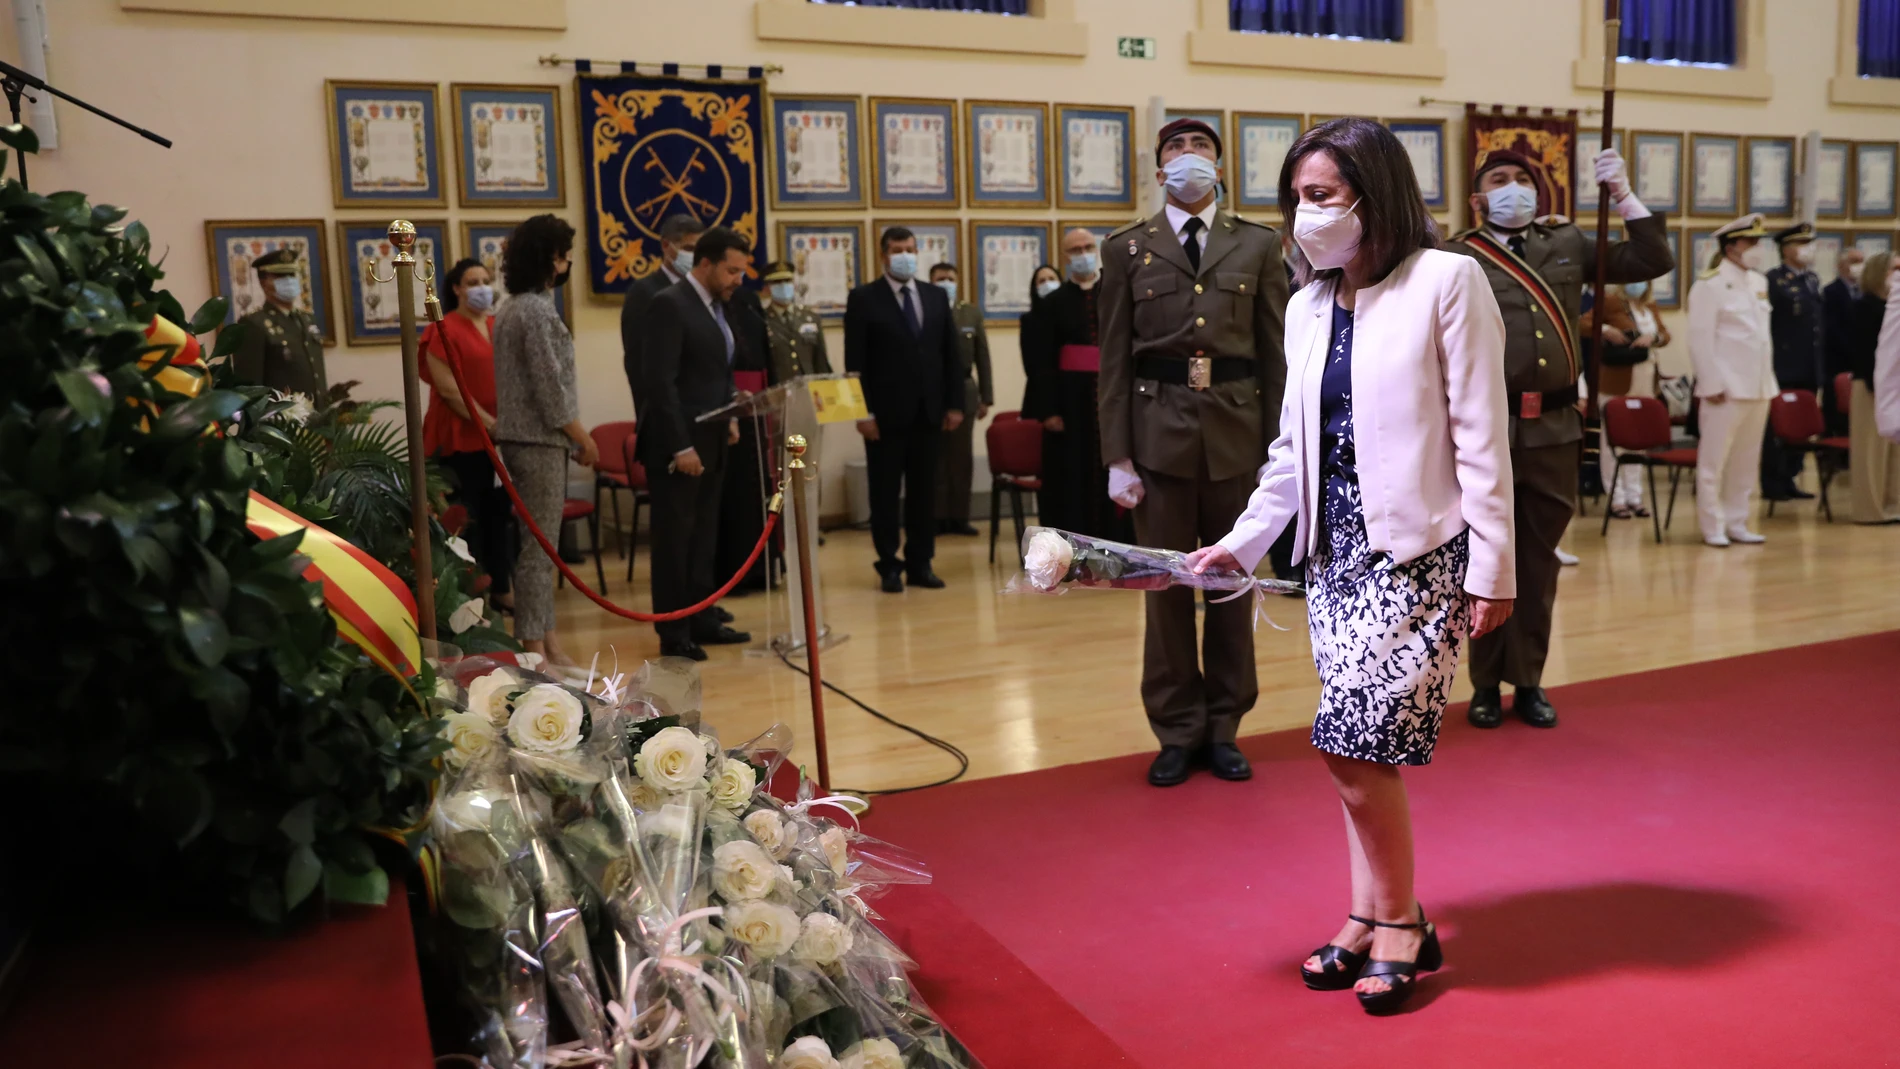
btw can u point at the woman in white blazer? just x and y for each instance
(1394, 461)
(1734, 360)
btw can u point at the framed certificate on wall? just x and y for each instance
(1259, 145)
(385, 144)
(1874, 179)
(1656, 170)
(1716, 175)
(1007, 151)
(1667, 290)
(1583, 189)
(914, 162)
(371, 315)
(234, 245)
(1827, 246)
(1003, 259)
(508, 146)
(939, 241)
(1768, 169)
(1834, 168)
(487, 242)
(1424, 141)
(828, 260)
(1870, 242)
(1702, 250)
(817, 152)
(1216, 119)
(1095, 157)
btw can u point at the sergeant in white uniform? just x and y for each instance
(1733, 353)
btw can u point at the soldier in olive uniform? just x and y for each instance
(979, 393)
(795, 333)
(1794, 301)
(1537, 272)
(282, 346)
(1192, 312)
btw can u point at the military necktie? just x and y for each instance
(1192, 243)
(1517, 244)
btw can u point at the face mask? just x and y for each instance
(1511, 207)
(287, 288)
(1754, 259)
(561, 279)
(783, 292)
(949, 287)
(1046, 287)
(1190, 177)
(903, 266)
(1084, 265)
(1853, 274)
(1804, 255)
(1328, 236)
(479, 298)
(683, 261)
(1635, 290)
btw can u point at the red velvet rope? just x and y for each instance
(527, 519)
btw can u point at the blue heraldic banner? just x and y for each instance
(657, 147)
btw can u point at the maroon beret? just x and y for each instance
(1182, 126)
(1500, 157)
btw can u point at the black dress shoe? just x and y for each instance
(1225, 760)
(1171, 767)
(723, 636)
(957, 527)
(1800, 495)
(1533, 708)
(892, 583)
(926, 579)
(684, 647)
(1487, 708)
(721, 615)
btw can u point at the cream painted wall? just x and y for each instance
(241, 97)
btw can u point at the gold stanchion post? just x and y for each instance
(796, 474)
(403, 270)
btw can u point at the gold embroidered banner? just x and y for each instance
(1547, 142)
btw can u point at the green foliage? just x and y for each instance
(182, 720)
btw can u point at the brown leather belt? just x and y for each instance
(1198, 372)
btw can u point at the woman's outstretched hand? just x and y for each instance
(1488, 615)
(1212, 559)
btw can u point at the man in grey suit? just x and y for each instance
(678, 236)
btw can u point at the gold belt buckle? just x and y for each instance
(1200, 372)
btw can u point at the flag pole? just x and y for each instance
(1612, 36)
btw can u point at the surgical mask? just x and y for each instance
(783, 292)
(903, 266)
(949, 287)
(1511, 207)
(1804, 255)
(479, 298)
(1189, 177)
(1084, 265)
(287, 288)
(561, 279)
(1754, 258)
(683, 261)
(1853, 274)
(1635, 290)
(1328, 236)
(1046, 287)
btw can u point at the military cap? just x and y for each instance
(1185, 126)
(779, 271)
(1501, 157)
(1795, 235)
(1748, 226)
(281, 262)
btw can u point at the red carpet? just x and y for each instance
(1700, 867)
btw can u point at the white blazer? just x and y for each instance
(1729, 344)
(1430, 426)
(1887, 370)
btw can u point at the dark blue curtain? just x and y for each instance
(1379, 20)
(1880, 38)
(993, 7)
(1686, 31)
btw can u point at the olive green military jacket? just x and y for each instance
(973, 356)
(282, 350)
(797, 338)
(1154, 305)
(1534, 358)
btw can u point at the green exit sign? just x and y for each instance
(1135, 47)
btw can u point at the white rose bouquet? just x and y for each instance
(1055, 560)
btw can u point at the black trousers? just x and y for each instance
(490, 533)
(1779, 466)
(686, 535)
(742, 511)
(903, 459)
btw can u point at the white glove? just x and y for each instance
(1612, 171)
(1124, 486)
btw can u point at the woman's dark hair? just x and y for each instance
(1392, 215)
(527, 264)
(715, 243)
(450, 302)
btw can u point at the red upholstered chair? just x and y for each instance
(617, 470)
(1795, 418)
(1015, 448)
(1844, 392)
(1640, 433)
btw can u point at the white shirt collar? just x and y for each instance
(672, 272)
(1734, 270)
(898, 288)
(705, 295)
(1178, 217)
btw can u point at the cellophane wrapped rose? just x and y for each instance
(1055, 560)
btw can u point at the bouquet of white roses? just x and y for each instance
(1055, 560)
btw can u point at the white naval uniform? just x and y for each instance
(1733, 354)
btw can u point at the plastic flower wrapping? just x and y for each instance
(618, 889)
(1055, 560)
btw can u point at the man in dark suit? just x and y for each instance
(1794, 303)
(684, 370)
(1837, 304)
(901, 342)
(678, 236)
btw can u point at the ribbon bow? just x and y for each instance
(842, 802)
(1259, 588)
(652, 1028)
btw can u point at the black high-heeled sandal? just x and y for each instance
(1401, 977)
(1349, 963)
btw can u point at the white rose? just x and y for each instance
(742, 871)
(807, 1052)
(788, 878)
(460, 548)
(772, 833)
(766, 927)
(672, 760)
(823, 939)
(470, 735)
(546, 719)
(668, 821)
(733, 784)
(466, 615)
(644, 798)
(530, 661)
(873, 1054)
(489, 694)
(470, 810)
(833, 843)
(1047, 558)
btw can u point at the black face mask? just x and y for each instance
(561, 279)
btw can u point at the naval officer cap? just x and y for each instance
(1751, 225)
(1798, 234)
(1186, 126)
(779, 271)
(280, 262)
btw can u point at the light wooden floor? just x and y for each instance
(1023, 682)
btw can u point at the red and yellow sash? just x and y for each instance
(372, 607)
(1489, 249)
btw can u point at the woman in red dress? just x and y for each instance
(448, 429)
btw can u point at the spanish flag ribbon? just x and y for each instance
(372, 607)
(186, 353)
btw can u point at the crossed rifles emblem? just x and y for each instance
(674, 187)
